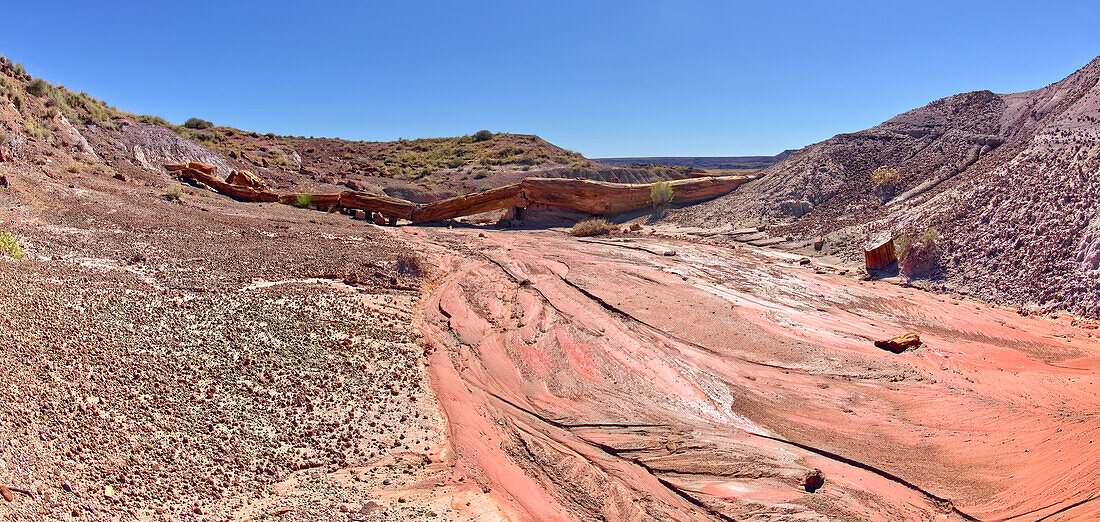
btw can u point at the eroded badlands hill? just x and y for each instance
(1010, 183)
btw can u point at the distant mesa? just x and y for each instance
(701, 162)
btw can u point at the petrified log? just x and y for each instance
(373, 203)
(245, 178)
(900, 343)
(316, 200)
(590, 197)
(242, 193)
(879, 255)
(494, 199)
(202, 167)
(378, 218)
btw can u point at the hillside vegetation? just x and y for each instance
(43, 118)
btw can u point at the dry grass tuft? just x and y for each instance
(592, 227)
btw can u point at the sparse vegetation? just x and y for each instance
(197, 124)
(174, 193)
(33, 129)
(660, 193)
(592, 227)
(9, 245)
(37, 87)
(303, 200)
(918, 255)
(884, 175)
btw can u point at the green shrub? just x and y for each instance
(592, 227)
(9, 246)
(660, 193)
(483, 135)
(174, 193)
(303, 200)
(197, 123)
(37, 87)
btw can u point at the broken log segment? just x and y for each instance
(492, 199)
(386, 205)
(235, 191)
(880, 255)
(315, 200)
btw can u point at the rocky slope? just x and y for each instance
(1006, 181)
(64, 132)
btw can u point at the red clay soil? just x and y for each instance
(598, 380)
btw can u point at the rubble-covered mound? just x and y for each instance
(1006, 183)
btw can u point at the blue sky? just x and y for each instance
(638, 78)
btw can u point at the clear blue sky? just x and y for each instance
(632, 78)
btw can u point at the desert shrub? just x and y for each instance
(174, 193)
(34, 130)
(408, 265)
(454, 163)
(197, 123)
(483, 135)
(17, 101)
(9, 246)
(303, 200)
(37, 87)
(884, 175)
(592, 227)
(918, 255)
(660, 193)
(74, 167)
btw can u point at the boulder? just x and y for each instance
(796, 208)
(378, 218)
(900, 343)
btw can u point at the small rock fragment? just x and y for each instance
(7, 493)
(900, 343)
(813, 480)
(804, 261)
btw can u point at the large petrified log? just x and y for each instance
(591, 197)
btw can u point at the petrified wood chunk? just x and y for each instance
(879, 255)
(900, 343)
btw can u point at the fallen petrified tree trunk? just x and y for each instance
(205, 174)
(591, 197)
